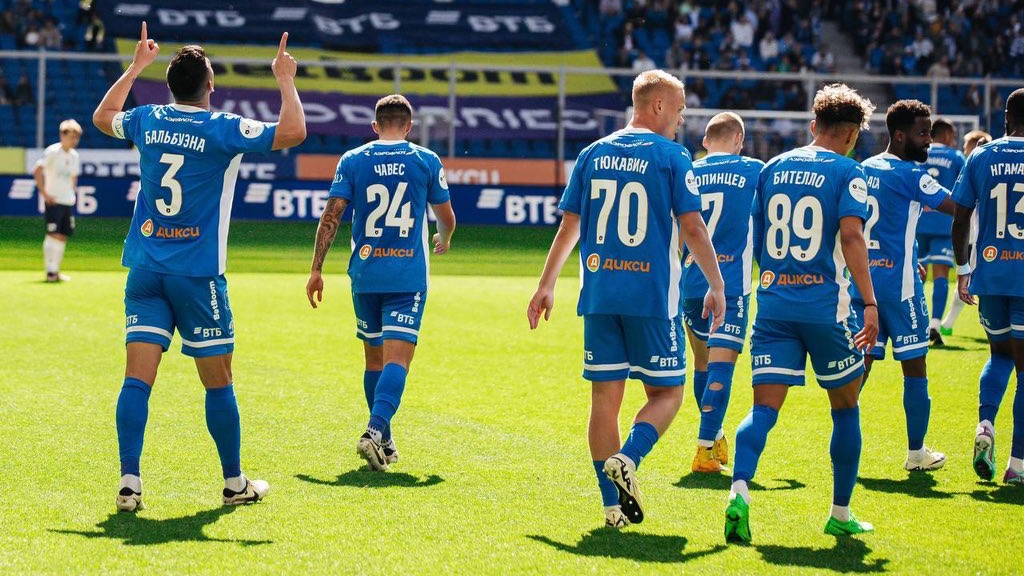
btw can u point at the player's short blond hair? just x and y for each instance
(646, 84)
(977, 137)
(70, 125)
(724, 125)
(837, 103)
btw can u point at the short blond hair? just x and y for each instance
(70, 125)
(837, 103)
(977, 137)
(723, 125)
(646, 84)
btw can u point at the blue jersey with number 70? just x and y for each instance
(188, 159)
(629, 188)
(389, 184)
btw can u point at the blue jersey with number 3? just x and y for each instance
(992, 182)
(943, 164)
(897, 192)
(727, 183)
(629, 189)
(389, 184)
(801, 196)
(189, 160)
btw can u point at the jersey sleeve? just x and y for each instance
(964, 192)
(685, 193)
(757, 216)
(341, 187)
(47, 158)
(437, 188)
(246, 135)
(926, 189)
(572, 197)
(853, 194)
(126, 124)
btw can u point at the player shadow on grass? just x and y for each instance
(1003, 494)
(137, 530)
(848, 555)
(699, 480)
(916, 484)
(611, 543)
(363, 478)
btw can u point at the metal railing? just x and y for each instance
(809, 80)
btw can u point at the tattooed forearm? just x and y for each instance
(327, 230)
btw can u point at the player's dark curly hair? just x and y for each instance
(187, 74)
(902, 114)
(836, 104)
(393, 111)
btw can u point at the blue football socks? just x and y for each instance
(845, 451)
(940, 293)
(751, 437)
(700, 383)
(995, 376)
(132, 414)
(1017, 444)
(387, 397)
(609, 494)
(642, 438)
(715, 402)
(917, 405)
(224, 424)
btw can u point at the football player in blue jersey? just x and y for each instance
(898, 188)
(934, 240)
(631, 199)
(972, 140)
(992, 183)
(389, 183)
(727, 181)
(176, 247)
(808, 219)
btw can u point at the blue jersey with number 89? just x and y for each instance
(629, 189)
(388, 184)
(188, 159)
(801, 196)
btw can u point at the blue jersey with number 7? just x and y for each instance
(629, 189)
(389, 184)
(188, 160)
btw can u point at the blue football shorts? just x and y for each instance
(1002, 317)
(733, 331)
(156, 304)
(651, 350)
(903, 323)
(779, 349)
(935, 249)
(388, 316)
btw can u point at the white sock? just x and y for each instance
(720, 435)
(915, 454)
(954, 312)
(132, 481)
(987, 426)
(705, 443)
(58, 253)
(236, 484)
(841, 513)
(50, 255)
(740, 487)
(1016, 464)
(934, 324)
(375, 434)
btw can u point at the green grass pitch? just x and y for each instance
(495, 476)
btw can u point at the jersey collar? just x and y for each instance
(1014, 138)
(389, 142)
(187, 109)
(631, 130)
(817, 148)
(713, 154)
(888, 156)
